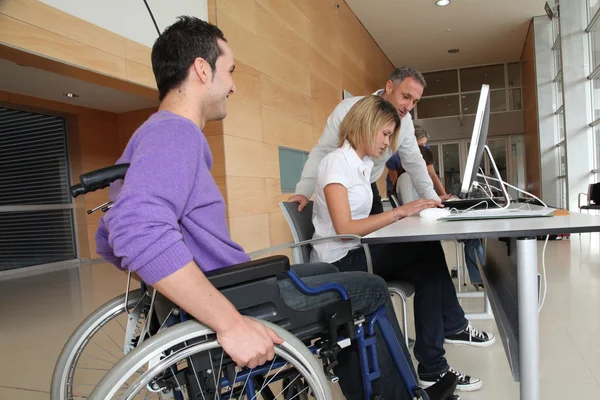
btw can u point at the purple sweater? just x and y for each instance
(168, 210)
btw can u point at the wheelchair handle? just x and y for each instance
(98, 179)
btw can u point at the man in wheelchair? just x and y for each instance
(168, 226)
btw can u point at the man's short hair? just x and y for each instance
(178, 46)
(402, 73)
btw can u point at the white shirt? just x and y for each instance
(405, 190)
(341, 166)
(408, 149)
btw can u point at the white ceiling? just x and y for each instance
(419, 33)
(47, 85)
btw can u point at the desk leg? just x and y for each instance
(529, 329)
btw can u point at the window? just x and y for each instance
(291, 163)
(446, 95)
(439, 106)
(593, 30)
(471, 79)
(36, 210)
(441, 82)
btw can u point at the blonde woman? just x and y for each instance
(343, 199)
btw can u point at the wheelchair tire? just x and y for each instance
(64, 370)
(154, 349)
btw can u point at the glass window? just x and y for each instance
(441, 82)
(514, 99)
(561, 157)
(596, 97)
(563, 193)
(555, 28)
(595, 45)
(514, 74)
(557, 63)
(561, 126)
(442, 106)
(558, 92)
(436, 158)
(471, 100)
(471, 79)
(597, 134)
(291, 163)
(498, 149)
(593, 7)
(452, 175)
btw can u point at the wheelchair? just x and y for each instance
(159, 352)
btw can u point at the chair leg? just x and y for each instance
(458, 262)
(404, 313)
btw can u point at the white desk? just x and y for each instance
(510, 280)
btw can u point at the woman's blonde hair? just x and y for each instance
(365, 119)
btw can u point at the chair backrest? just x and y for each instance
(394, 201)
(301, 226)
(594, 193)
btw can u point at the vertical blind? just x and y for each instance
(36, 212)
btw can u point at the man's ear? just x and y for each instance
(202, 69)
(389, 86)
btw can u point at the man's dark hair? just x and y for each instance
(402, 73)
(178, 46)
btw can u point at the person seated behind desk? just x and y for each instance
(342, 203)
(406, 192)
(168, 220)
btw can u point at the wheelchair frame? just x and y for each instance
(339, 314)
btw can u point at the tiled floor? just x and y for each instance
(38, 313)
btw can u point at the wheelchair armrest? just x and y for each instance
(249, 271)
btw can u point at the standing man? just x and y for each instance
(403, 89)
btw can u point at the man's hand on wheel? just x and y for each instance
(299, 198)
(248, 342)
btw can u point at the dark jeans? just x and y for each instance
(367, 293)
(436, 308)
(473, 250)
(377, 207)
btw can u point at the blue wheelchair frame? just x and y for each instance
(367, 350)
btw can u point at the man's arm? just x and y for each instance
(437, 183)
(393, 176)
(327, 143)
(246, 341)
(144, 233)
(412, 161)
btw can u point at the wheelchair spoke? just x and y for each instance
(232, 384)
(270, 380)
(111, 339)
(101, 359)
(299, 393)
(195, 375)
(215, 371)
(118, 358)
(246, 382)
(288, 385)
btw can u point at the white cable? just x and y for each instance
(516, 188)
(545, 283)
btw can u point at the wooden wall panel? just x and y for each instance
(35, 27)
(294, 57)
(530, 119)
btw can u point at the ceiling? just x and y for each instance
(419, 33)
(48, 85)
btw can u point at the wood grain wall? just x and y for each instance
(293, 59)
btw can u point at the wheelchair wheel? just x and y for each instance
(185, 361)
(95, 347)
